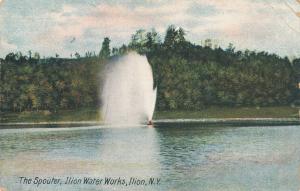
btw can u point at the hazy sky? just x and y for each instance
(48, 26)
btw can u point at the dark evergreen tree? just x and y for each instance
(105, 50)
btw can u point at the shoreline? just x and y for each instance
(200, 121)
(45, 124)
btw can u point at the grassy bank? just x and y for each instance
(85, 114)
(93, 114)
(228, 112)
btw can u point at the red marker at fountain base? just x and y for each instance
(150, 123)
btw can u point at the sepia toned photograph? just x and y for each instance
(154, 95)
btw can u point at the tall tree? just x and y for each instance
(143, 41)
(170, 37)
(138, 41)
(105, 49)
(174, 36)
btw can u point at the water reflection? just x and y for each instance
(115, 152)
(185, 156)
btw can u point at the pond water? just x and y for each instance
(182, 156)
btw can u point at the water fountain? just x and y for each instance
(128, 96)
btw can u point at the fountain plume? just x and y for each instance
(128, 96)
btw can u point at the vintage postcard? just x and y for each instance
(195, 95)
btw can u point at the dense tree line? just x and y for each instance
(193, 77)
(48, 84)
(188, 76)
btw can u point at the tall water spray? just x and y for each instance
(127, 95)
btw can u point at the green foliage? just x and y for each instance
(174, 36)
(188, 76)
(105, 50)
(143, 41)
(48, 84)
(193, 77)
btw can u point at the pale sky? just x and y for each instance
(50, 26)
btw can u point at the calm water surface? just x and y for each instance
(184, 156)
